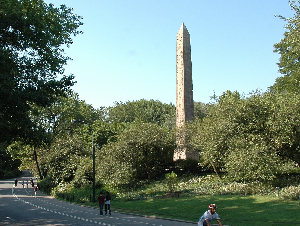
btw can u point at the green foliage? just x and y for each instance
(249, 138)
(172, 182)
(284, 125)
(148, 198)
(46, 185)
(105, 132)
(290, 193)
(200, 110)
(9, 167)
(142, 150)
(32, 37)
(143, 111)
(67, 115)
(288, 48)
(251, 161)
(61, 163)
(83, 174)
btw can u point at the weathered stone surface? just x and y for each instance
(184, 82)
(184, 92)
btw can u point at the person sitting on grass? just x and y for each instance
(209, 215)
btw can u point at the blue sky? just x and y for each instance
(128, 49)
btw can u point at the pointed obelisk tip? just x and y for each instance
(183, 27)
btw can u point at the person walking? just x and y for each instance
(107, 203)
(35, 190)
(101, 201)
(16, 182)
(209, 215)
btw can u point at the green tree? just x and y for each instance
(142, 150)
(284, 125)
(32, 39)
(61, 121)
(143, 111)
(64, 157)
(288, 48)
(200, 109)
(9, 167)
(211, 134)
(241, 136)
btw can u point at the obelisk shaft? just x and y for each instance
(184, 93)
(184, 82)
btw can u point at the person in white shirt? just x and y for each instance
(107, 203)
(209, 215)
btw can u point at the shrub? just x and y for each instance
(46, 185)
(290, 193)
(171, 181)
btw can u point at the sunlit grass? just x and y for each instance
(233, 209)
(238, 204)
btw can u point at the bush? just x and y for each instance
(46, 185)
(171, 181)
(290, 193)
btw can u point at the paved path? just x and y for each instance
(19, 206)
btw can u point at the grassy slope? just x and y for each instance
(233, 209)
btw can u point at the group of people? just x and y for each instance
(35, 188)
(104, 200)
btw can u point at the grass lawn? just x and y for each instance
(233, 210)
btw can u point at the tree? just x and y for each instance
(64, 156)
(143, 111)
(288, 48)
(61, 121)
(9, 167)
(284, 125)
(200, 110)
(32, 39)
(241, 136)
(210, 135)
(142, 150)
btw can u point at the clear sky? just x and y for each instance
(128, 49)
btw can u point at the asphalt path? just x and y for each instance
(19, 206)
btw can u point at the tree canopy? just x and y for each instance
(288, 48)
(33, 36)
(142, 111)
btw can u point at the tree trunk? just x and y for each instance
(215, 169)
(37, 164)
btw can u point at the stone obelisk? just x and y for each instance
(184, 92)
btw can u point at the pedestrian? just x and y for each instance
(16, 182)
(27, 183)
(107, 203)
(101, 201)
(31, 181)
(209, 215)
(35, 190)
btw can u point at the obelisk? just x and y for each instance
(184, 92)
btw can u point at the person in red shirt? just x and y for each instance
(101, 200)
